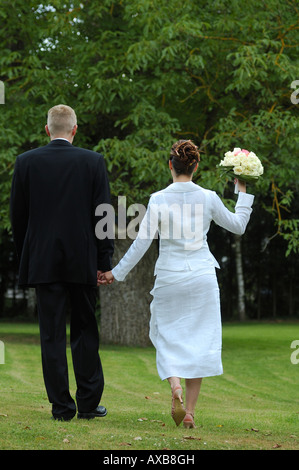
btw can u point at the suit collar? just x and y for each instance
(60, 142)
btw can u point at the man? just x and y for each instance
(55, 192)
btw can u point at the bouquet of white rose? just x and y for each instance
(242, 164)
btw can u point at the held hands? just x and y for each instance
(103, 279)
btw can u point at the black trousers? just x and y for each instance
(52, 302)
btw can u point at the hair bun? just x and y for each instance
(184, 153)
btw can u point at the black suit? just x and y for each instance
(55, 192)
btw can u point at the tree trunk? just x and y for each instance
(240, 279)
(31, 303)
(274, 296)
(259, 292)
(125, 306)
(291, 309)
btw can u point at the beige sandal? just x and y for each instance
(177, 410)
(188, 421)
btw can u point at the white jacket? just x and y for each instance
(181, 215)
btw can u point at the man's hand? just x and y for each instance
(105, 278)
(99, 274)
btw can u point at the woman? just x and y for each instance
(185, 325)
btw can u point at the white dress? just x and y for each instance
(185, 324)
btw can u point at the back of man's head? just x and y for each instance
(61, 120)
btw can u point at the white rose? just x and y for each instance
(238, 170)
(229, 154)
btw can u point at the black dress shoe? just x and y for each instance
(99, 412)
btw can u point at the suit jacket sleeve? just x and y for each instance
(18, 210)
(105, 247)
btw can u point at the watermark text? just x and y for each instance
(2, 93)
(295, 85)
(170, 221)
(295, 354)
(2, 353)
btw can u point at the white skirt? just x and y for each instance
(185, 325)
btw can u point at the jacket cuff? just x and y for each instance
(116, 274)
(245, 199)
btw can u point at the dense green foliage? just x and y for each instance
(143, 73)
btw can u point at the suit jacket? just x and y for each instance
(55, 191)
(181, 215)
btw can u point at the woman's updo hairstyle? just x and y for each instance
(184, 156)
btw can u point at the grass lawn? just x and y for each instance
(253, 405)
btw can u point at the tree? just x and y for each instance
(144, 73)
